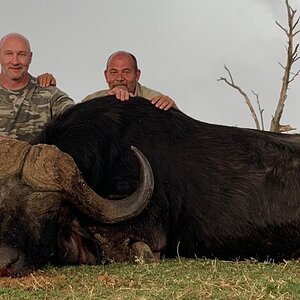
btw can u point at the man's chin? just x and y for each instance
(122, 87)
(15, 75)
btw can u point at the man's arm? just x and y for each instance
(121, 94)
(160, 101)
(60, 101)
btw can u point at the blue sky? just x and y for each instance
(181, 47)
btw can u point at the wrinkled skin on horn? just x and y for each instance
(35, 181)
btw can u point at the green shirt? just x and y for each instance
(24, 112)
(140, 90)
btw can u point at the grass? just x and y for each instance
(171, 279)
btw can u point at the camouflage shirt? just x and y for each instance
(140, 90)
(24, 112)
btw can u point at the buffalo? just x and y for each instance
(77, 194)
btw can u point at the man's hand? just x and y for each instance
(46, 79)
(3, 138)
(163, 102)
(121, 93)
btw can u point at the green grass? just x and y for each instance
(171, 279)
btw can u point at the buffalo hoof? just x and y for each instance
(143, 254)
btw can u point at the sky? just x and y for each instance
(181, 47)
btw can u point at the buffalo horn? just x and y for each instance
(47, 168)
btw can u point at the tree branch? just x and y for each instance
(292, 57)
(260, 110)
(247, 99)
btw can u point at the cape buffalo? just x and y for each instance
(219, 192)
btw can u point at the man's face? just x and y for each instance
(121, 73)
(15, 58)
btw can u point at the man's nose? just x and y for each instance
(15, 59)
(120, 76)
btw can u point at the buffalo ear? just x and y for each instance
(12, 156)
(74, 244)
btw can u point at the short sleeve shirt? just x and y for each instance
(23, 113)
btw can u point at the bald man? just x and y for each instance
(24, 106)
(122, 75)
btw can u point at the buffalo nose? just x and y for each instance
(9, 257)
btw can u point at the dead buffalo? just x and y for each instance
(219, 192)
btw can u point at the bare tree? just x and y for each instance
(288, 77)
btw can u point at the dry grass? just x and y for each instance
(172, 279)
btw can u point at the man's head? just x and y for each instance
(15, 58)
(122, 71)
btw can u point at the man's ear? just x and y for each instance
(105, 75)
(138, 74)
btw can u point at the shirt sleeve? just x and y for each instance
(60, 102)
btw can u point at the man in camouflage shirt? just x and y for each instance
(122, 75)
(24, 106)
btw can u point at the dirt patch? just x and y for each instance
(35, 281)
